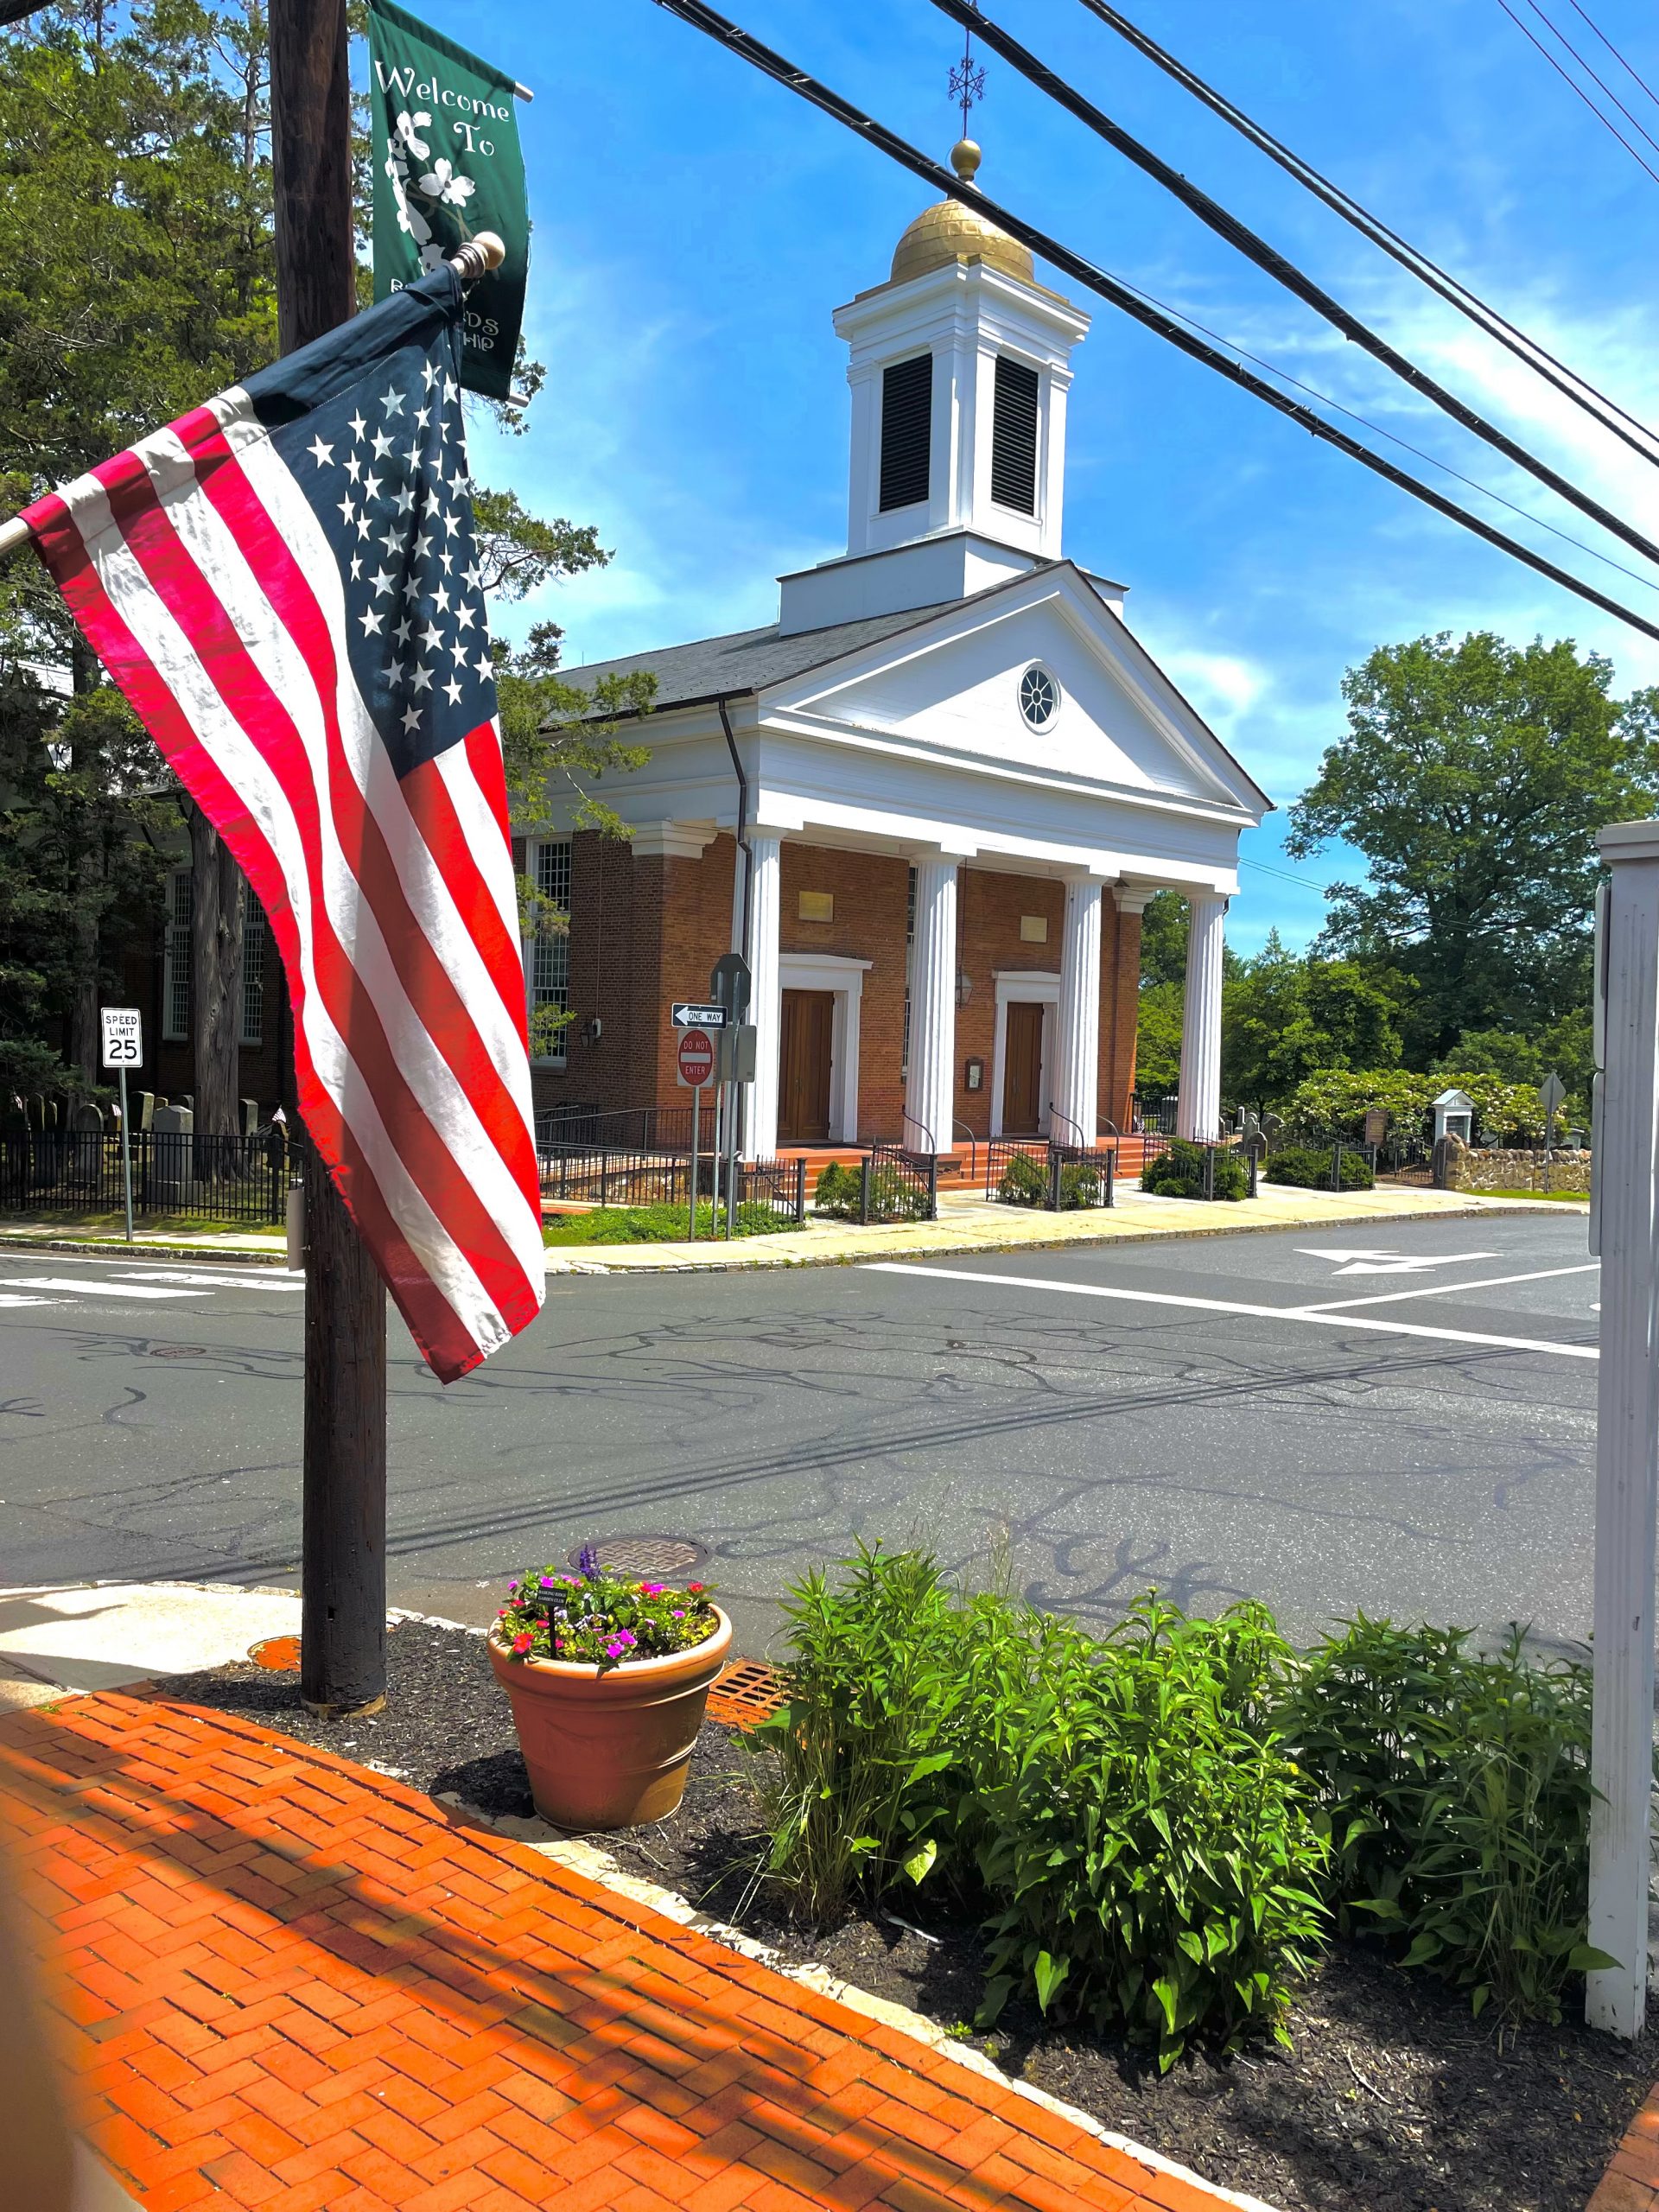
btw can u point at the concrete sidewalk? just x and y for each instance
(286, 1981)
(968, 1223)
(79, 1637)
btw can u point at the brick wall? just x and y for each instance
(871, 896)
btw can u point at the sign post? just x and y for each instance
(122, 1034)
(1627, 1428)
(728, 986)
(694, 1061)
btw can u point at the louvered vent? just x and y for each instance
(1014, 436)
(907, 425)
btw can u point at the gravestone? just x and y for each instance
(1376, 1125)
(171, 1164)
(144, 1109)
(250, 1116)
(87, 1119)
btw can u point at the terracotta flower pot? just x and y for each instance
(610, 1750)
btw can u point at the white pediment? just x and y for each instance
(952, 685)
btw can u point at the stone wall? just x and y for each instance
(1519, 1171)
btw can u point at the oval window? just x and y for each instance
(1039, 697)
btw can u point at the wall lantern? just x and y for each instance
(964, 987)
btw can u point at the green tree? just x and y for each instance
(1284, 1017)
(1473, 777)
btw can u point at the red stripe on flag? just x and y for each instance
(434, 1169)
(484, 759)
(433, 807)
(448, 1346)
(430, 987)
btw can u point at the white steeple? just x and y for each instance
(960, 365)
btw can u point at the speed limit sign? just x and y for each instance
(124, 1036)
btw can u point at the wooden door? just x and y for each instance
(804, 1068)
(1022, 1069)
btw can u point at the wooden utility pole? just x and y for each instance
(343, 1623)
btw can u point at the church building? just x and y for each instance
(931, 801)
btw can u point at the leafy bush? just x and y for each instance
(1309, 1168)
(1337, 1099)
(1149, 1852)
(1080, 1185)
(1022, 1182)
(1178, 1173)
(1117, 1810)
(1457, 1786)
(851, 1790)
(895, 1196)
(840, 1191)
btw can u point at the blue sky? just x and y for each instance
(695, 226)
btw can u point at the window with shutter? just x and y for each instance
(253, 975)
(547, 964)
(906, 431)
(1014, 436)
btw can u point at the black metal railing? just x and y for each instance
(888, 1183)
(1154, 1114)
(1059, 1178)
(571, 1126)
(174, 1172)
(649, 1179)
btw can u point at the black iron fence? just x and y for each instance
(572, 1126)
(1153, 1113)
(1060, 1177)
(242, 1179)
(889, 1183)
(634, 1178)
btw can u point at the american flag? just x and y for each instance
(285, 585)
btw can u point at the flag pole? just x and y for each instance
(343, 1557)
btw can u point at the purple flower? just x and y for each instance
(587, 1561)
(679, 1617)
(615, 1650)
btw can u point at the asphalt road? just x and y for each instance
(1399, 1416)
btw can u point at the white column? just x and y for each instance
(1075, 1098)
(765, 997)
(1199, 1113)
(930, 1085)
(1627, 1426)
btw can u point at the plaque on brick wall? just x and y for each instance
(817, 907)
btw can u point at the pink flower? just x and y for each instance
(521, 1643)
(652, 1589)
(679, 1617)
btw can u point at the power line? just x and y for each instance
(1556, 31)
(747, 48)
(1577, 87)
(1614, 51)
(1304, 882)
(1601, 409)
(1227, 226)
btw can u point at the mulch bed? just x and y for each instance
(1392, 2099)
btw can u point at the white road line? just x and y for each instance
(1307, 1314)
(249, 1280)
(7, 1299)
(1447, 1289)
(84, 1289)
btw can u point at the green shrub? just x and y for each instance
(839, 1190)
(895, 1196)
(848, 1778)
(1080, 1185)
(657, 1225)
(1117, 1810)
(1022, 1182)
(1178, 1173)
(1457, 1786)
(1309, 1168)
(1148, 1849)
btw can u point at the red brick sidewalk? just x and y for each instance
(291, 1983)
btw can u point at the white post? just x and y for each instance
(766, 994)
(1076, 1101)
(1627, 1432)
(931, 1083)
(1199, 1115)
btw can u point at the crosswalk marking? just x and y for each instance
(267, 1279)
(80, 1285)
(6, 1299)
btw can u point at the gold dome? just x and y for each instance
(951, 231)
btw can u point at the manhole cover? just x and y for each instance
(178, 1351)
(668, 1556)
(280, 1653)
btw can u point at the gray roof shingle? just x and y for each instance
(747, 660)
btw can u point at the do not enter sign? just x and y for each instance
(694, 1053)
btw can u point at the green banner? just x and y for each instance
(448, 165)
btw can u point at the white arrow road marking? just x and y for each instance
(1449, 1289)
(84, 1288)
(1391, 1263)
(1309, 1316)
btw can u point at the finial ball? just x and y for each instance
(965, 159)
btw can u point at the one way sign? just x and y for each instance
(684, 1015)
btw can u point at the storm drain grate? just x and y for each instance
(748, 1693)
(178, 1351)
(669, 1557)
